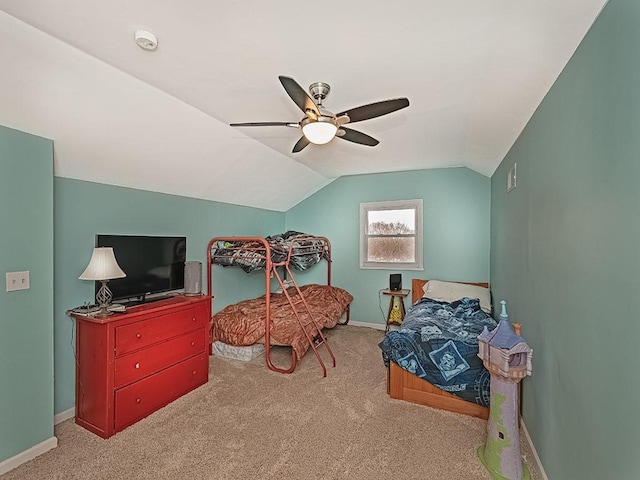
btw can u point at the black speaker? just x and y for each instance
(395, 281)
(192, 278)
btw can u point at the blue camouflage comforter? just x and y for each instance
(438, 342)
(306, 251)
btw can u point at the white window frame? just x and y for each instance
(391, 205)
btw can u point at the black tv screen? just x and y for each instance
(154, 265)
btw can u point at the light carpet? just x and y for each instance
(251, 423)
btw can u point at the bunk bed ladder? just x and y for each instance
(310, 328)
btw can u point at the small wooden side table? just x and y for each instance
(396, 306)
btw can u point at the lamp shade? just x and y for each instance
(320, 131)
(102, 266)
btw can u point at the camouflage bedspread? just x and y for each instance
(250, 256)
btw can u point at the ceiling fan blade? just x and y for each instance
(303, 142)
(356, 137)
(373, 110)
(265, 124)
(299, 96)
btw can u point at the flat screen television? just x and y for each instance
(154, 266)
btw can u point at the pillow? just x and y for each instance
(451, 291)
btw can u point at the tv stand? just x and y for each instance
(131, 364)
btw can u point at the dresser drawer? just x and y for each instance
(134, 366)
(140, 399)
(147, 332)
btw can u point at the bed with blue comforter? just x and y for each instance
(438, 342)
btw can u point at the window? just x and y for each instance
(391, 235)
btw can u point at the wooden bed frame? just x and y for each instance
(403, 385)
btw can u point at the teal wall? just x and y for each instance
(26, 316)
(456, 230)
(83, 209)
(564, 254)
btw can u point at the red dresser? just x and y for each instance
(131, 364)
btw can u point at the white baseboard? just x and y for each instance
(30, 454)
(62, 416)
(39, 449)
(533, 449)
(375, 326)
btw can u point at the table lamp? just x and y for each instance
(103, 267)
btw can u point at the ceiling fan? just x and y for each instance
(319, 125)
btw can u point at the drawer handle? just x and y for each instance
(193, 344)
(138, 335)
(137, 365)
(138, 400)
(194, 372)
(193, 319)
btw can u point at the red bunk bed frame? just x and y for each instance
(263, 252)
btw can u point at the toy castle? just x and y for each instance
(508, 358)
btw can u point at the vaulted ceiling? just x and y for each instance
(473, 71)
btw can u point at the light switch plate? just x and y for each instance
(17, 281)
(511, 178)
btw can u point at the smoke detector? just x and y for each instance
(146, 40)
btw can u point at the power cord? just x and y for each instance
(384, 317)
(80, 394)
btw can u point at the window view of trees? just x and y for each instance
(392, 249)
(391, 235)
(391, 228)
(390, 241)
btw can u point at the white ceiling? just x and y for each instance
(473, 70)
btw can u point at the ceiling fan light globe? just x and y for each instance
(319, 132)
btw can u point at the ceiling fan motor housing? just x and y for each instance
(319, 91)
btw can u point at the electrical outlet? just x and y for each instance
(511, 178)
(17, 281)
